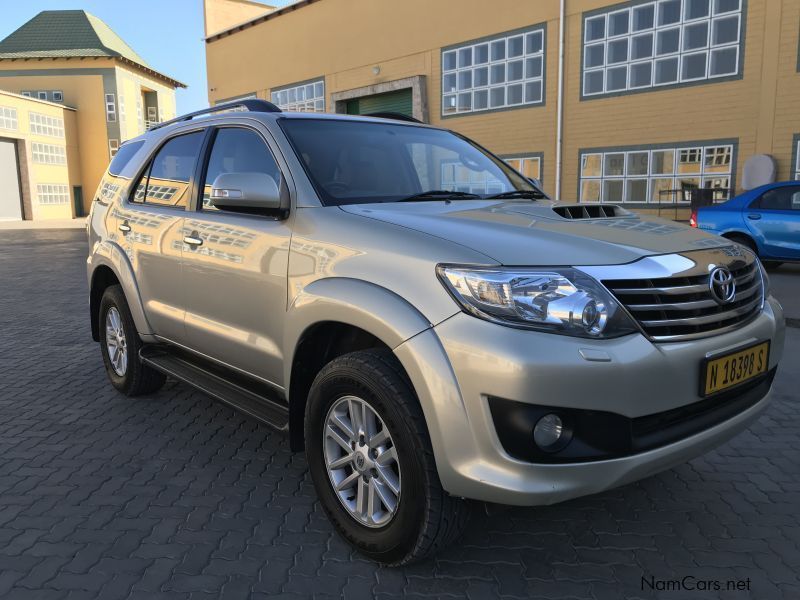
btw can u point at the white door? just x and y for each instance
(10, 198)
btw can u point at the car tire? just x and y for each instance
(425, 518)
(120, 345)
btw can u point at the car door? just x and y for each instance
(235, 276)
(151, 223)
(774, 221)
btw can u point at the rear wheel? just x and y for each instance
(371, 461)
(120, 345)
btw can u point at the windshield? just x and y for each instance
(359, 162)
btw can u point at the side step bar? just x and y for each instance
(230, 389)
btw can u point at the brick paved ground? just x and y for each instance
(175, 496)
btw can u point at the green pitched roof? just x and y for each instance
(69, 33)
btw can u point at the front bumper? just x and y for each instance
(457, 366)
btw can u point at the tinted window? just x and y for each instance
(784, 198)
(123, 157)
(353, 162)
(165, 182)
(238, 150)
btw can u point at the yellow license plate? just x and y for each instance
(732, 369)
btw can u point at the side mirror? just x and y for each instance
(245, 190)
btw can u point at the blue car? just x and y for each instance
(765, 219)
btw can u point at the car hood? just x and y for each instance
(532, 233)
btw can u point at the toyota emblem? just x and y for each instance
(722, 285)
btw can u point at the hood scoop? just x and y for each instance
(591, 211)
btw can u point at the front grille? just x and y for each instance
(679, 307)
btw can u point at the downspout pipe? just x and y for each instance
(560, 102)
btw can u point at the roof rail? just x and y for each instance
(393, 115)
(251, 104)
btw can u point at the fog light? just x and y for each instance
(548, 432)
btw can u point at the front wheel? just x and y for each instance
(371, 461)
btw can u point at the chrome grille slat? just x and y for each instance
(681, 306)
(715, 318)
(693, 305)
(674, 290)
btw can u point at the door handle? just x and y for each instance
(754, 216)
(193, 240)
(124, 227)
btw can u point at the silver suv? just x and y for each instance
(419, 317)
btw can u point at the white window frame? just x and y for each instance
(58, 96)
(113, 147)
(451, 97)
(52, 193)
(8, 118)
(41, 95)
(682, 153)
(46, 125)
(797, 160)
(27, 94)
(682, 55)
(111, 108)
(48, 154)
(296, 98)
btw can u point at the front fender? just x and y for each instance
(361, 304)
(111, 255)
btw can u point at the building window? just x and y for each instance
(797, 160)
(308, 97)
(27, 94)
(46, 125)
(113, 146)
(8, 117)
(643, 46)
(41, 95)
(48, 154)
(58, 96)
(529, 166)
(502, 72)
(111, 108)
(52, 193)
(455, 176)
(656, 174)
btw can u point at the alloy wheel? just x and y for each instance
(116, 343)
(361, 461)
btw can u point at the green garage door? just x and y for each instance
(396, 102)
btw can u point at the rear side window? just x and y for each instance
(123, 157)
(782, 198)
(165, 182)
(238, 150)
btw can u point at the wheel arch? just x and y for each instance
(332, 317)
(110, 266)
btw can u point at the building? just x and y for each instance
(97, 93)
(659, 97)
(38, 159)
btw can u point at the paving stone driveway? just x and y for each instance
(176, 496)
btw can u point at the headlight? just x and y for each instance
(560, 300)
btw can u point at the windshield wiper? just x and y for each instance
(439, 195)
(532, 194)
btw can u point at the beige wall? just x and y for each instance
(34, 173)
(222, 14)
(760, 110)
